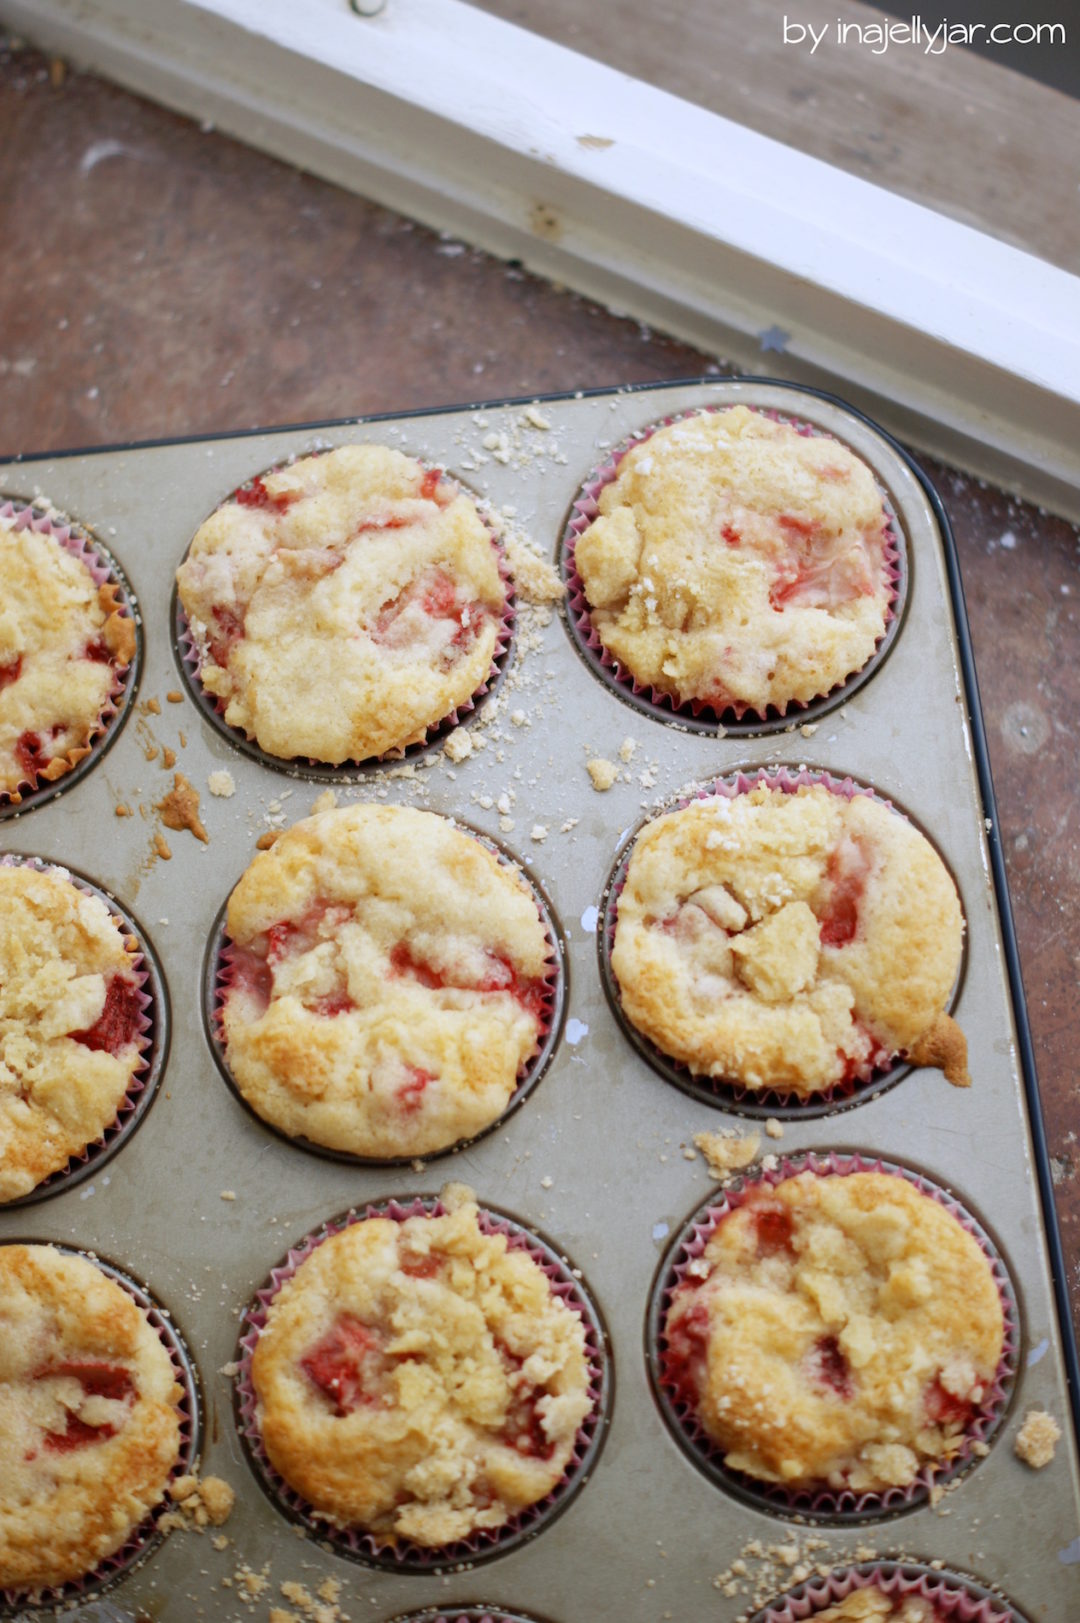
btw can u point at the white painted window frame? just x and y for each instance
(953, 340)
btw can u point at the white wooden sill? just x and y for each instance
(959, 343)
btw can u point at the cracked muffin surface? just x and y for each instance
(420, 1379)
(344, 604)
(70, 1023)
(738, 563)
(839, 1331)
(388, 985)
(789, 940)
(874, 1606)
(89, 1425)
(63, 642)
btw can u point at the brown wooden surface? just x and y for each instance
(955, 131)
(161, 280)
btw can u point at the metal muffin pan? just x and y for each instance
(593, 1158)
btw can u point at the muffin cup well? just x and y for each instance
(145, 1538)
(486, 1544)
(189, 659)
(838, 1507)
(104, 571)
(883, 1070)
(153, 1042)
(955, 1599)
(695, 715)
(217, 979)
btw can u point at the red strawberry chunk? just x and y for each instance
(731, 535)
(224, 632)
(334, 1003)
(30, 753)
(944, 1408)
(253, 976)
(404, 962)
(95, 651)
(500, 976)
(76, 1434)
(410, 1093)
(845, 878)
(523, 1429)
(773, 1227)
(829, 1367)
(117, 1026)
(419, 1265)
(290, 937)
(347, 1365)
(97, 1379)
(685, 1356)
(255, 494)
(11, 672)
(429, 484)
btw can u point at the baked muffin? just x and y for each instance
(420, 1379)
(63, 639)
(70, 1023)
(838, 1332)
(874, 1606)
(738, 563)
(343, 605)
(387, 984)
(89, 1425)
(789, 940)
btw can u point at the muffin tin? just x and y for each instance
(594, 1157)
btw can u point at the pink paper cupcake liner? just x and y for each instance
(219, 974)
(153, 1042)
(696, 715)
(829, 1505)
(954, 1599)
(147, 1537)
(104, 570)
(486, 1544)
(465, 1614)
(882, 1070)
(189, 657)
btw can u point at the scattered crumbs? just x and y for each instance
(180, 808)
(602, 772)
(168, 757)
(517, 718)
(221, 784)
(571, 823)
(809, 728)
(547, 1183)
(689, 1152)
(459, 746)
(174, 696)
(322, 803)
(265, 841)
(536, 419)
(220, 1541)
(161, 846)
(538, 832)
(626, 750)
(506, 825)
(534, 577)
(151, 752)
(278, 1614)
(124, 811)
(773, 1128)
(200, 1501)
(228, 1194)
(1037, 1439)
(727, 1150)
(230, 1369)
(153, 707)
(944, 1045)
(183, 740)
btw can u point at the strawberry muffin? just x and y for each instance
(70, 1023)
(838, 1332)
(789, 940)
(737, 563)
(63, 642)
(386, 984)
(420, 1379)
(89, 1424)
(343, 605)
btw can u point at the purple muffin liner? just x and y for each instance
(464, 1614)
(153, 1043)
(190, 658)
(880, 1071)
(822, 1504)
(696, 714)
(954, 1598)
(147, 1537)
(104, 571)
(486, 1544)
(218, 980)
